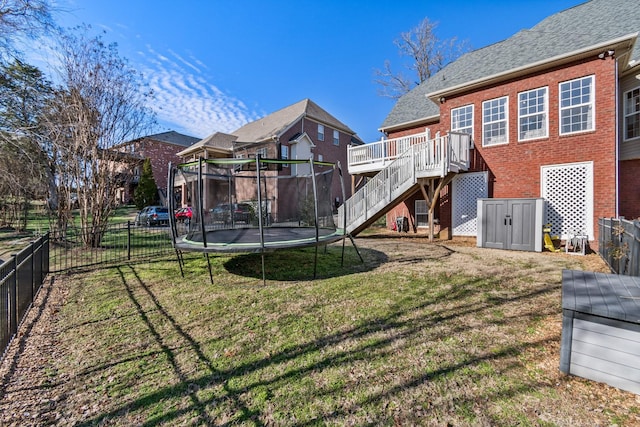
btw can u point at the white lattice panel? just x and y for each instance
(467, 188)
(568, 190)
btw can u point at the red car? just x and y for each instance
(184, 214)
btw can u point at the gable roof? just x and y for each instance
(219, 141)
(582, 28)
(173, 137)
(275, 124)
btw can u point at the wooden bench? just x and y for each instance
(601, 328)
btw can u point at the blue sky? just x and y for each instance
(216, 65)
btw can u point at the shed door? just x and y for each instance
(509, 224)
(521, 233)
(495, 233)
(467, 188)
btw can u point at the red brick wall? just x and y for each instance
(629, 189)
(329, 151)
(515, 167)
(160, 153)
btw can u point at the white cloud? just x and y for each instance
(186, 101)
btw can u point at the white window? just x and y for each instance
(533, 119)
(320, 158)
(320, 132)
(336, 137)
(495, 127)
(632, 114)
(462, 119)
(284, 154)
(577, 98)
(422, 213)
(262, 152)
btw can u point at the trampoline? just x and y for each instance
(249, 239)
(255, 205)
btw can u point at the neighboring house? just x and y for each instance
(160, 148)
(553, 113)
(300, 131)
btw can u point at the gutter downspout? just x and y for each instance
(617, 135)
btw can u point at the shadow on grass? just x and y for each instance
(298, 264)
(337, 349)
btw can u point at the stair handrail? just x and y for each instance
(434, 155)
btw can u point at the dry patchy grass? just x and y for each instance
(422, 334)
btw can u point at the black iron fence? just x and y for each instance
(21, 278)
(114, 244)
(619, 245)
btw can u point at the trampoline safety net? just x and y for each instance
(249, 205)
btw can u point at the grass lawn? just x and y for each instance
(420, 334)
(38, 222)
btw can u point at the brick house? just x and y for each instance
(299, 131)
(553, 112)
(160, 148)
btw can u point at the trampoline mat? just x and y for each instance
(248, 239)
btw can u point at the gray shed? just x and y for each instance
(601, 328)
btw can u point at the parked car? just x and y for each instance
(184, 214)
(153, 215)
(242, 212)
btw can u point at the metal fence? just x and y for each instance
(619, 245)
(21, 278)
(117, 243)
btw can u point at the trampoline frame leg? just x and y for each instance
(353, 242)
(180, 261)
(206, 255)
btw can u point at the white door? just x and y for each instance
(467, 188)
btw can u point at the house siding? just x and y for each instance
(629, 189)
(329, 152)
(515, 168)
(160, 153)
(630, 149)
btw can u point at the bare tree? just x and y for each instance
(22, 18)
(427, 53)
(101, 103)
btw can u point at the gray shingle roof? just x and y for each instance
(274, 124)
(173, 137)
(580, 27)
(219, 140)
(278, 122)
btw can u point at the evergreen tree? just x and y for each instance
(146, 193)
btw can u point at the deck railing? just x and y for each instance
(425, 157)
(375, 156)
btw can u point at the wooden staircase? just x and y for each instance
(433, 161)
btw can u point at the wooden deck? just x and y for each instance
(601, 328)
(399, 165)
